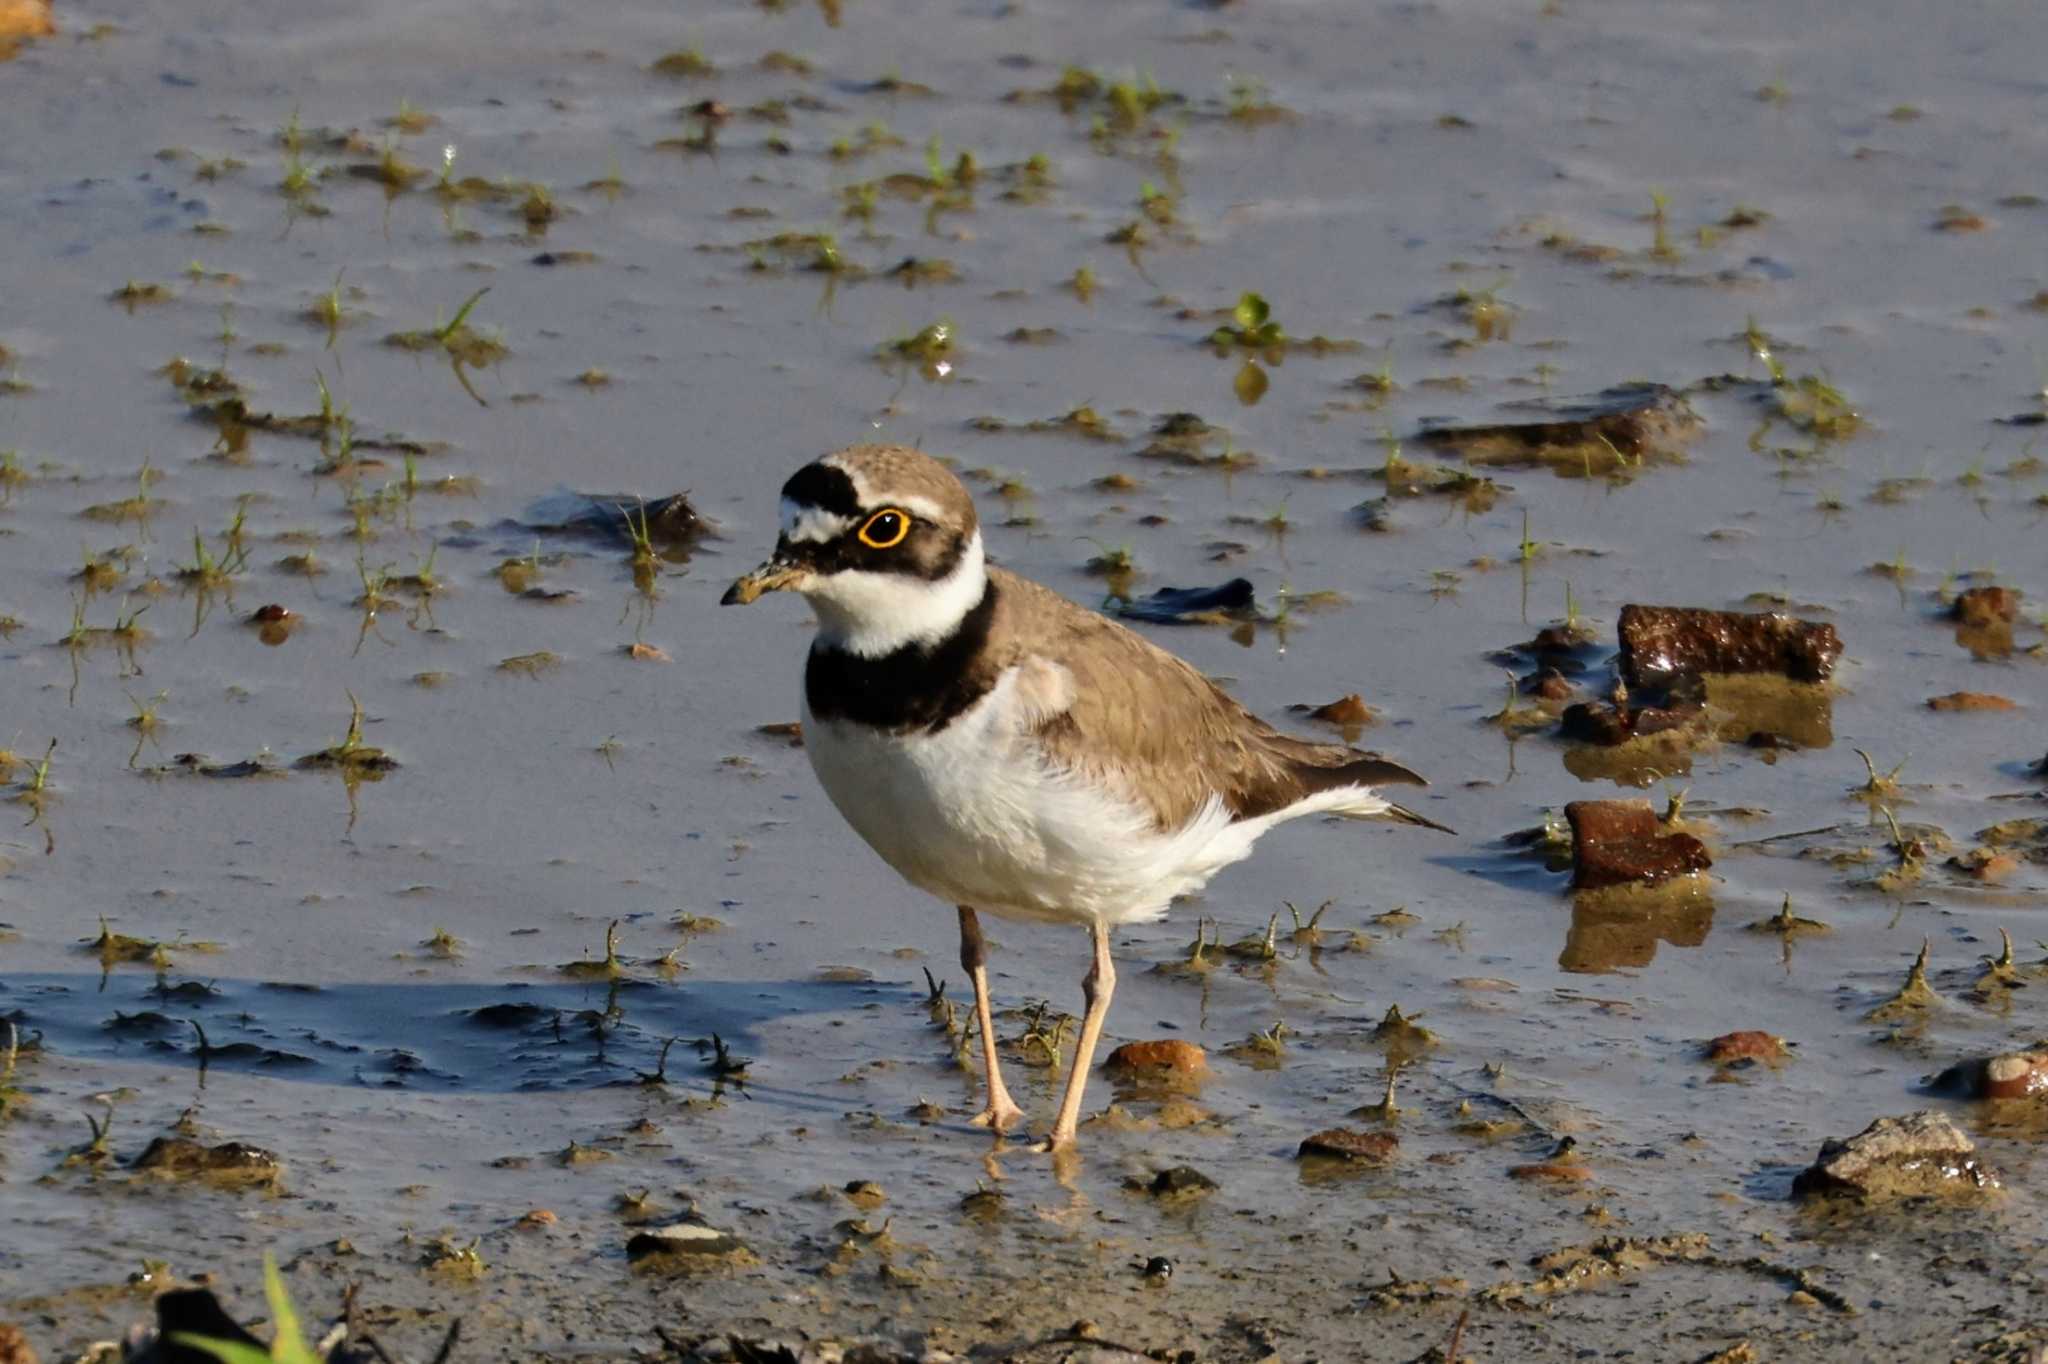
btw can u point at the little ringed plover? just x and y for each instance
(1010, 751)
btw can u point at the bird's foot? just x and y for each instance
(1057, 1144)
(1000, 1115)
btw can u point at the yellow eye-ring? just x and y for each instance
(885, 529)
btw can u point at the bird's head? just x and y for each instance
(883, 541)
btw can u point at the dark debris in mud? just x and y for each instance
(671, 523)
(1614, 432)
(1231, 602)
(231, 1163)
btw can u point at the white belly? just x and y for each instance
(974, 815)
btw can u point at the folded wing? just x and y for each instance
(1139, 719)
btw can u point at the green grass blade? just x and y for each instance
(227, 1351)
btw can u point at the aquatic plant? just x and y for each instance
(327, 311)
(687, 63)
(611, 184)
(538, 207)
(1660, 227)
(1251, 327)
(12, 1096)
(206, 571)
(930, 348)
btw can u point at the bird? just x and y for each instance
(1012, 752)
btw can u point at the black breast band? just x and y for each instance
(919, 686)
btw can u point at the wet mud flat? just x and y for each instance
(415, 878)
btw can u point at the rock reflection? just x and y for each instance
(1619, 927)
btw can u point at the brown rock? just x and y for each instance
(1662, 643)
(1550, 685)
(1599, 722)
(1602, 821)
(2014, 833)
(1981, 606)
(1167, 1056)
(23, 19)
(864, 1193)
(1594, 722)
(1619, 842)
(1970, 700)
(1749, 1045)
(1349, 1144)
(274, 623)
(686, 1247)
(2016, 1075)
(1921, 1153)
(1346, 712)
(539, 1219)
(1556, 639)
(14, 1346)
(2013, 1075)
(1985, 864)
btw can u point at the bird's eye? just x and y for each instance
(885, 529)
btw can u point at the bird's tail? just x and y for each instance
(1401, 814)
(1358, 773)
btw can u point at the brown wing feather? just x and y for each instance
(1143, 720)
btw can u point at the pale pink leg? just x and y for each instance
(1002, 1111)
(1096, 987)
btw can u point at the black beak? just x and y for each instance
(773, 576)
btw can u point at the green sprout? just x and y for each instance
(930, 348)
(1660, 227)
(11, 1094)
(327, 310)
(1252, 327)
(688, 63)
(1760, 348)
(410, 118)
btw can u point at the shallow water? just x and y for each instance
(1431, 149)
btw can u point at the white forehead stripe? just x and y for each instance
(922, 507)
(873, 498)
(803, 524)
(853, 476)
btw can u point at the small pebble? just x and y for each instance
(1970, 701)
(1750, 1045)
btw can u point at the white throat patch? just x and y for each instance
(871, 614)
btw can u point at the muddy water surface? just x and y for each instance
(391, 968)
